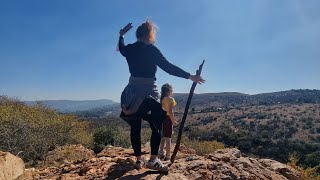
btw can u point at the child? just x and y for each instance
(168, 103)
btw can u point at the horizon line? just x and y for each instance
(21, 99)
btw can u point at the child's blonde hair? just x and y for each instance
(165, 89)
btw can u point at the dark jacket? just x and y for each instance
(143, 60)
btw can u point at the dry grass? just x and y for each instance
(306, 174)
(202, 147)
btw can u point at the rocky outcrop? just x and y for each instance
(11, 167)
(118, 163)
(279, 167)
(67, 154)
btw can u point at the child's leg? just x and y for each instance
(161, 146)
(135, 135)
(168, 146)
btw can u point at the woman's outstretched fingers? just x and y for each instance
(202, 80)
(197, 79)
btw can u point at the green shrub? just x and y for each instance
(109, 135)
(312, 159)
(32, 131)
(145, 135)
(306, 174)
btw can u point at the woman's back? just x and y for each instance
(143, 60)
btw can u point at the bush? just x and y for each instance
(312, 159)
(109, 135)
(146, 135)
(306, 174)
(32, 131)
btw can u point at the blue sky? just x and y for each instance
(65, 49)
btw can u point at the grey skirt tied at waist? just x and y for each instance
(136, 91)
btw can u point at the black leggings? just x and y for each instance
(155, 120)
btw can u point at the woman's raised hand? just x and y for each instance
(197, 79)
(124, 30)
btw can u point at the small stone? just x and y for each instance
(93, 160)
(91, 171)
(72, 166)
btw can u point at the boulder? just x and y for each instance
(283, 169)
(66, 154)
(11, 167)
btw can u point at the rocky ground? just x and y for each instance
(118, 163)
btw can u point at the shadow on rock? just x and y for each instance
(119, 169)
(140, 176)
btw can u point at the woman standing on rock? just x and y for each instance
(140, 95)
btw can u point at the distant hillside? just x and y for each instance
(103, 111)
(210, 101)
(216, 100)
(67, 106)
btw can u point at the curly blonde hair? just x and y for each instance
(146, 32)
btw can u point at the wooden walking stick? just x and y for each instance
(194, 84)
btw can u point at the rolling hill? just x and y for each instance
(211, 101)
(68, 106)
(259, 125)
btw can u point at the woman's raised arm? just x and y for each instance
(122, 32)
(122, 46)
(168, 67)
